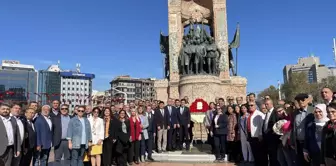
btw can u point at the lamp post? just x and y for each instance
(119, 91)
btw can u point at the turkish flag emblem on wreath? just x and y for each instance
(199, 106)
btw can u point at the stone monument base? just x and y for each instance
(206, 87)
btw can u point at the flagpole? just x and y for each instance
(236, 61)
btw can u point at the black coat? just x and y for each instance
(269, 136)
(151, 124)
(222, 122)
(56, 128)
(122, 138)
(30, 140)
(184, 118)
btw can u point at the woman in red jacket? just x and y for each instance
(135, 129)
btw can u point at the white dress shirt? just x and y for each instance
(216, 119)
(267, 117)
(9, 130)
(48, 121)
(256, 123)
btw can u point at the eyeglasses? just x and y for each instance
(80, 110)
(251, 105)
(64, 108)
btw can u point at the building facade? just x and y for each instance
(49, 86)
(76, 88)
(134, 88)
(18, 82)
(311, 66)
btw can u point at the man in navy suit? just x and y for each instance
(44, 136)
(184, 124)
(172, 122)
(30, 137)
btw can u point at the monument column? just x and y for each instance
(175, 36)
(221, 36)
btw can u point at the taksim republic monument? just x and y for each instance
(199, 62)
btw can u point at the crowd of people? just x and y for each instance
(262, 133)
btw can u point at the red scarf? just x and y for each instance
(249, 122)
(135, 132)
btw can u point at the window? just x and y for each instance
(68, 83)
(85, 84)
(73, 83)
(73, 88)
(85, 89)
(81, 83)
(76, 89)
(77, 83)
(63, 83)
(68, 88)
(63, 88)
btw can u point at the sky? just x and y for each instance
(119, 37)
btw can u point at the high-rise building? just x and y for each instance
(18, 82)
(76, 88)
(309, 65)
(135, 88)
(50, 84)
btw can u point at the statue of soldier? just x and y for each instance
(213, 55)
(200, 54)
(231, 63)
(185, 56)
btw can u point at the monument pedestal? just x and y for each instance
(206, 87)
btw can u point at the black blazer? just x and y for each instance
(112, 129)
(122, 138)
(222, 122)
(30, 140)
(160, 120)
(269, 134)
(184, 118)
(151, 124)
(56, 128)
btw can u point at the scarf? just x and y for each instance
(323, 108)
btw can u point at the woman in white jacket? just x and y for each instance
(97, 128)
(246, 148)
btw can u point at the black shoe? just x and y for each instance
(159, 151)
(150, 159)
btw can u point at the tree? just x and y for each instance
(298, 83)
(329, 82)
(271, 91)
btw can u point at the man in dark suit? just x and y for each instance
(16, 114)
(10, 138)
(30, 137)
(270, 139)
(151, 132)
(55, 117)
(183, 124)
(60, 143)
(300, 118)
(44, 137)
(161, 121)
(172, 122)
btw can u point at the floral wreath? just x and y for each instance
(199, 106)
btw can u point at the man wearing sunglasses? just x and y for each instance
(62, 147)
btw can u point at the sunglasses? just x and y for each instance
(64, 108)
(80, 110)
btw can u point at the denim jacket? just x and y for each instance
(74, 132)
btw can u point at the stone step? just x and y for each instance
(179, 157)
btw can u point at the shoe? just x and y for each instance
(143, 159)
(159, 151)
(164, 151)
(150, 159)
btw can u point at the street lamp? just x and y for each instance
(119, 91)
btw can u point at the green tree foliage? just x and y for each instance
(271, 91)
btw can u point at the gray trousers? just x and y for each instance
(330, 162)
(62, 150)
(7, 157)
(162, 139)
